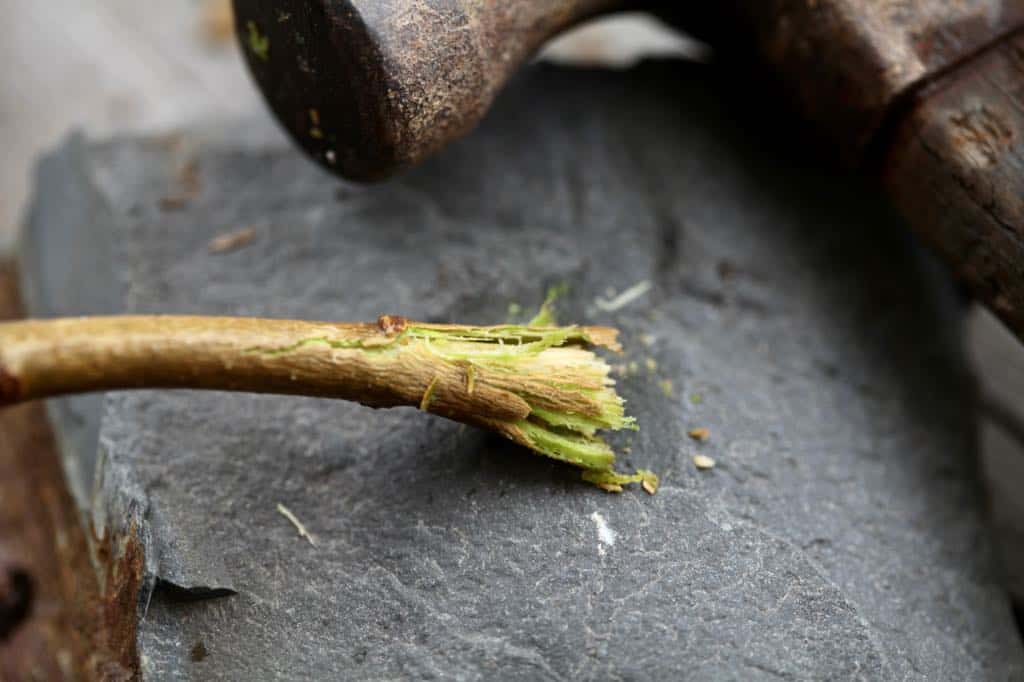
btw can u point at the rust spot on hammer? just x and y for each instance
(392, 324)
(983, 134)
(10, 387)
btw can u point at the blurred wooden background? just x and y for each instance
(107, 66)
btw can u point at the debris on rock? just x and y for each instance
(702, 434)
(232, 241)
(631, 294)
(703, 462)
(287, 513)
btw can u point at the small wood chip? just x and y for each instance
(703, 462)
(287, 513)
(232, 240)
(700, 434)
(649, 487)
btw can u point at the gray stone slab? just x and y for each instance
(70, 228)
(840, 535)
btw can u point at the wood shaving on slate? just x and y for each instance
(700, 434)
(287, 513)
(703, 462)
(232, 241)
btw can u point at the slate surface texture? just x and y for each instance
(840, 535)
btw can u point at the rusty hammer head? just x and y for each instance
(368, 87)
(928, 99)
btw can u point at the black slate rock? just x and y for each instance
(838, 537)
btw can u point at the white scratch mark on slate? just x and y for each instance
(605, 535)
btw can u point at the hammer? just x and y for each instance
(925, 96)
